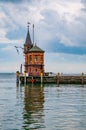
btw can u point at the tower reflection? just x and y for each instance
(33, 106)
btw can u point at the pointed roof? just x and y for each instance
(28, 39)
(36, 49)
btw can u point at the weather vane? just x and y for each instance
(28, 24)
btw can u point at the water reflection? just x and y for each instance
(19, 91)
(52, 107)
(33, 106)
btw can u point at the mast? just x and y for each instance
(33, 34)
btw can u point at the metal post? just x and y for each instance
(41, 78)
(82, 78)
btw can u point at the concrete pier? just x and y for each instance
(55, 79)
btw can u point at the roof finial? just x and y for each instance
(33, 34)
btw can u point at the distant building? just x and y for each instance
(34, 58)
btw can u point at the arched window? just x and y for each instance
(30, 58)
(36, 59)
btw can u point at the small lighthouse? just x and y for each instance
(34, 57)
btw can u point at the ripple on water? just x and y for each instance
(47, 107)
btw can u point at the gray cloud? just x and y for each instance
(84, 3)
(69, 33)
(12, 1)
(57, 20)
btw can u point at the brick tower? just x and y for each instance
(27, 46)
(34, 58)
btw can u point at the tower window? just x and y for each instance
(36, 58)
(30, 58)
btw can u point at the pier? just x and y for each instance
(54, 79)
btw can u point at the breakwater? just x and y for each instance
(54, 79)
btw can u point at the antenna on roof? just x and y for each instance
(33, 34)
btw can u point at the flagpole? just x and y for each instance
(33, 34)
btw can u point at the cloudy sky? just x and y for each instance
(60, 29)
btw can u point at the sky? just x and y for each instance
(60, 30)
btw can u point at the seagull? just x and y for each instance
(20, 47)
(17, 49)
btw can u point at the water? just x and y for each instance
(41, 107)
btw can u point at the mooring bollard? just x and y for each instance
(24, 77)
(58, 78)
(21, 69)
(82, 78)
(41, 78)
(32, 80)
(17, 76)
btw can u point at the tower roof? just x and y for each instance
(28, 39)
(36, 49)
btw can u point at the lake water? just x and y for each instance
(41, 107)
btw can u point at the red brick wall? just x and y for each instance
(35, 66)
